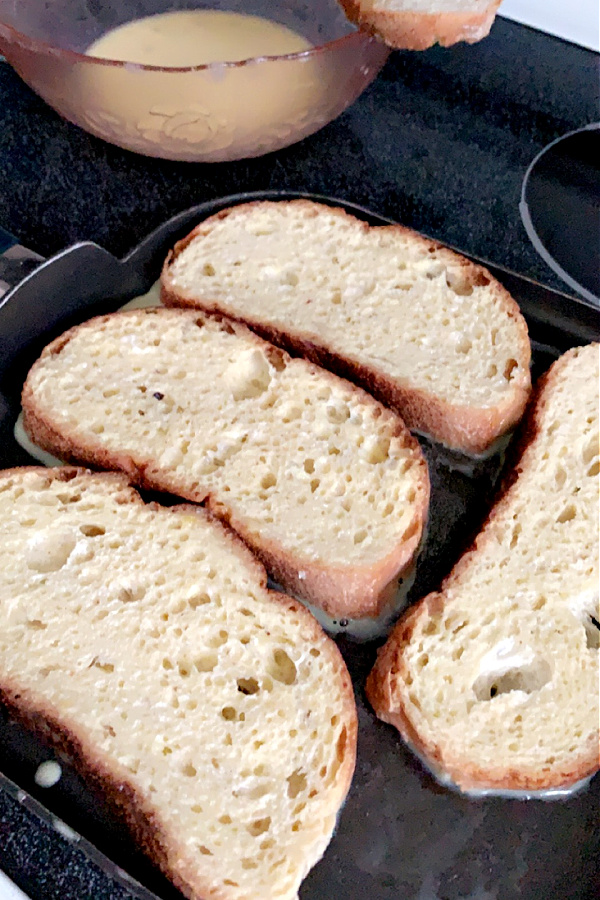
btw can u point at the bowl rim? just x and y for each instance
(360, 35)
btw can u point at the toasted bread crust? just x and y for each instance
(407, 30)
(110, 781)
(466, 428)
(386, 685)
(384, 690)
(352, 592)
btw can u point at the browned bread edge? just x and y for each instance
(409, 30)
(470, 429)
(134, 811)
(383, 685)
(348, 592)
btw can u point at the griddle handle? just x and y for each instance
(16, 261)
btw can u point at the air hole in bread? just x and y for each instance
(528, 677)
(277, 358)
(590, 451)
(248, 686)
(198, 600)
(511, 365)
(296, 783)
(103, 666)
(515, 535)
(249, 863)
(458, 283)
(219, 639)
(129, 593)
(208, 270)
(282, 668)
(567, 514)
(289, 278)
(414, 700)
(92, 530)
(229, 713)
(594, 469)
(268, 481)
(592, 633)
(340, 749)
(453, 624)
(69, 498)
(560, 476)
(376, 450)
(259, 826)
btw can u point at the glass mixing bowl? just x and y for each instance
(210, 113)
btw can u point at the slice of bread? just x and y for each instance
(425, 331)
(212, 715)
(322, 482)
(494, 680)
(418, 24)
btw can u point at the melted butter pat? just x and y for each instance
(208, 113)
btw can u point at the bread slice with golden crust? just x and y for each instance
(212, 715)
(323, 483)
(494, 680)
(428, 333)
(418, 24)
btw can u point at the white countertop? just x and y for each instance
(8, 890)
(578, 21)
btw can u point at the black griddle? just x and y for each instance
(401, 835)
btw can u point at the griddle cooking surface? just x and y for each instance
(401, 836)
